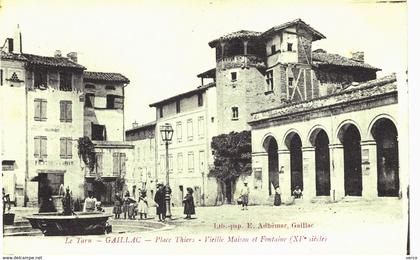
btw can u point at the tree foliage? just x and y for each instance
(86, 151)
(232, 156)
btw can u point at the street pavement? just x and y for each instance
(350, 226)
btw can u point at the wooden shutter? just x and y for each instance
(122, 161)
(68, 111)
(37, 146)
(118, 102)
(63, 148)
(43, 146)
(69, 150)
(115, 164)
(37, 113)
(43, 109)
(99, 157)
(62, 111)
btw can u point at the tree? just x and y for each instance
(86, 151)
(232, 157)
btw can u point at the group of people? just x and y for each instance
(130, 208)
(244, 196)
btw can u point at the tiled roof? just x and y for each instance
(243, 34)
(323, 58)
(42, 60)
(199, 89)
(211, 73)
(317, 35)
(147, 125)
(104, 76)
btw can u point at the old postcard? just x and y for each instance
(204, 127)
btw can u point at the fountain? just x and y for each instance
(69, 222)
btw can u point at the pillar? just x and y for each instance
(337, 171)
(369, 169)
(284, 172)
(259, 182)
(309, 172)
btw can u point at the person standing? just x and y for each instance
(126, 204)
(67, 203)
(47, 204)
(160, 202)
(189, 208)
(117, 206)
(245, 196)
(143, 205)
(90, 203)
(277, 198)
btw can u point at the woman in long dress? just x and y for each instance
(143, 205)
(189, 208)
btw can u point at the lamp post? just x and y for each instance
(166, 133)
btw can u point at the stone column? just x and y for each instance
(245, 47)
(259, 186)
(369, 169)
(309, 172)
(337, 171)
(284, 172)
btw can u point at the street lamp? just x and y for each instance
(166, 133)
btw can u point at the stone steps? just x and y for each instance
(21, 228)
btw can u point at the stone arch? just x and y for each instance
(289, 135)
(369, 134)
(293, 142)
(310, 139)
(266, 140)
(270, 145)
(342, 127)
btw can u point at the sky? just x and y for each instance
(162, 45)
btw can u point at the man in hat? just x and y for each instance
(245, 196)
(160, 202)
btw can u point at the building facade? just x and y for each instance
(41, 123)
(104, 125)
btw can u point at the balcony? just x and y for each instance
(241, 61)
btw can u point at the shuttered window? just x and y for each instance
(40, 146)
(118, 163)
(99, 157)
(40, 106)
(65, 111)
(66, 145)
(189, 129)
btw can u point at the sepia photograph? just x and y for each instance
(204, 127)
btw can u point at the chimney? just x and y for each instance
(358, 56)
(17, 41)
(72, 56)
(135, 124)
(57, 54)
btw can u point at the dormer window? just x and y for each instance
(65, 81)
(289, 46)
(40, 78)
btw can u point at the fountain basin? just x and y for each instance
(81, 223)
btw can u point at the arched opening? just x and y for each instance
(294, 143)
(271, 147)
(386, 136)
(350, 138)
(322, 162)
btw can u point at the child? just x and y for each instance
(189, 208)
(143, 206)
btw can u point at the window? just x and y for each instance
(114, 102)
(289, 46)
(269, 80)
(160, 112)
(190, 161)
(99, 162)
(235, 113)
(200, 100)
(179, 162)
(40, 110)
(40, 147)
(89, 100)
(40, 78)
(98, 132)
(55, 181)
(273, 49)
(110, 87)
(178, 106)
(233, 76)
(118, 164)
(65, 111)
(189, 129)
(179, 131)
(65, 81)
(201, 127)
(201, 161)
(290, 82)
(66, 148)
(89, 86)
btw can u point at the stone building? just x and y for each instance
(104, 125)
(193, 119)
(42, 118)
